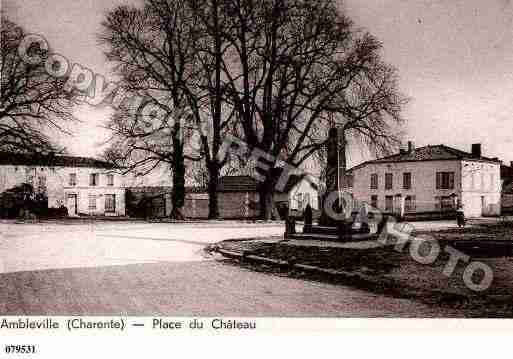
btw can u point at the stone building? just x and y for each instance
(86, 186)
(430, 181)
(238, 198)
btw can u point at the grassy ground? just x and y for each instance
(495, 230)
(398, 274)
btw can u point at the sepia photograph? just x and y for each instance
(245, 159)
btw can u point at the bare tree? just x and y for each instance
(279, 72)
(153, 50)
(171, 51)
(214, 117)
(31, 100)
(295, 65)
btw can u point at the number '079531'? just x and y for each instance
(20, 349)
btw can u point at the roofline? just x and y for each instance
(106, 167)
(426, 160)
(468, 157)
(45, 158)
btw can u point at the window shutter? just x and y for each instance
(407, 180)
(438, 179)
(451, 180)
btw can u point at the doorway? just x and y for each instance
(71, 204)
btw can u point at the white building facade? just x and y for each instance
(85, 186)
(302, 192)
(430, 180)
(93, 191)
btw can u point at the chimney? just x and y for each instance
(403, 148)
(476, 150)
(411, 146)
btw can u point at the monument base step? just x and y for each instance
(333, 237)
(331, 230)
(324, 230)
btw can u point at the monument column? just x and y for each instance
(336, 160)
(341, 166)
(335, 167)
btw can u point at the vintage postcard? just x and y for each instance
(252, 166)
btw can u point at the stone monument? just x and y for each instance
(335, 172)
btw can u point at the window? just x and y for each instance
(299, 201)
(349, 181)
(94, 179)
(72, 179)
(110, 203)
(374, 181)
(409, 204)
(389, 203)
(41, 184)
(389, 181)
(110, 180)
(407, 180)
(306, 199)
(92, 202)
(445, 180)
(444, 203)
(374, 201)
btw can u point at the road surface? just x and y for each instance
(160, 269)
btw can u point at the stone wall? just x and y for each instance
(232, 205)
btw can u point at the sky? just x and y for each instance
(454, 59)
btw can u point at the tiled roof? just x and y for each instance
(150, 190)
(237, 184)
(160, 190)
(49, 160)
(226, 184)
(249, 184)
(429, 153)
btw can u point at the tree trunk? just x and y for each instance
(213, 203)
(266, 200)
(176, 213)
(178, 192)
(212, 164)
